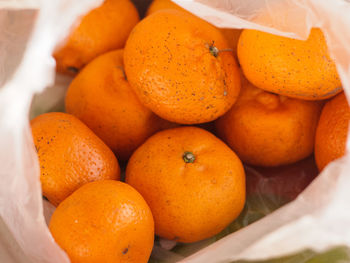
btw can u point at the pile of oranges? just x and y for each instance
(140, 91)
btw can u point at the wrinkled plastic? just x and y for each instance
(28, 38)
(30, 29)
(319, 218)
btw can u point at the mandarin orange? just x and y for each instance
(70, 155)
(193, 183)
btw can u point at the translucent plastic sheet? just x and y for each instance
(29, 30)
(28, 37)
(319, 218)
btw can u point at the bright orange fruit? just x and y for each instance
(106, 221)
(332, 131)
(267, 129)
(289, 67)
(193, 183)
(159, 5)
(232, 35)
(180, 71)
(102, 98)
(103, 29)
(70, 155)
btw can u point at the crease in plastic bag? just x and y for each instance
(317, 219)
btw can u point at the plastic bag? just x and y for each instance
(316, 220)
(319, 218)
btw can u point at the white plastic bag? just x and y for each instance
(318, 219)
(28, 38)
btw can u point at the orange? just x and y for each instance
(102, 98)
(106, 221)
(232, 35)
(193, 183)
(102, 29)
(70, 155)
(267, 129)
(332, 131)
(159, 5)
(289, 67)
(178, 71)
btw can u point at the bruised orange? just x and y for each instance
(289, 67)
(102, 98)
(182, 71)
(266, 129)
(105, 28)
(332, 131)
(70, 155)
(106, 221)
(193, 183)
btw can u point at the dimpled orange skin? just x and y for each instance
(102, 98)
(266, 129)
(105, 221)
(332, 131)
(173, 72)
(232, 35)
(105, 28)
(70, 155)
(189, 201)
(289, 67)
